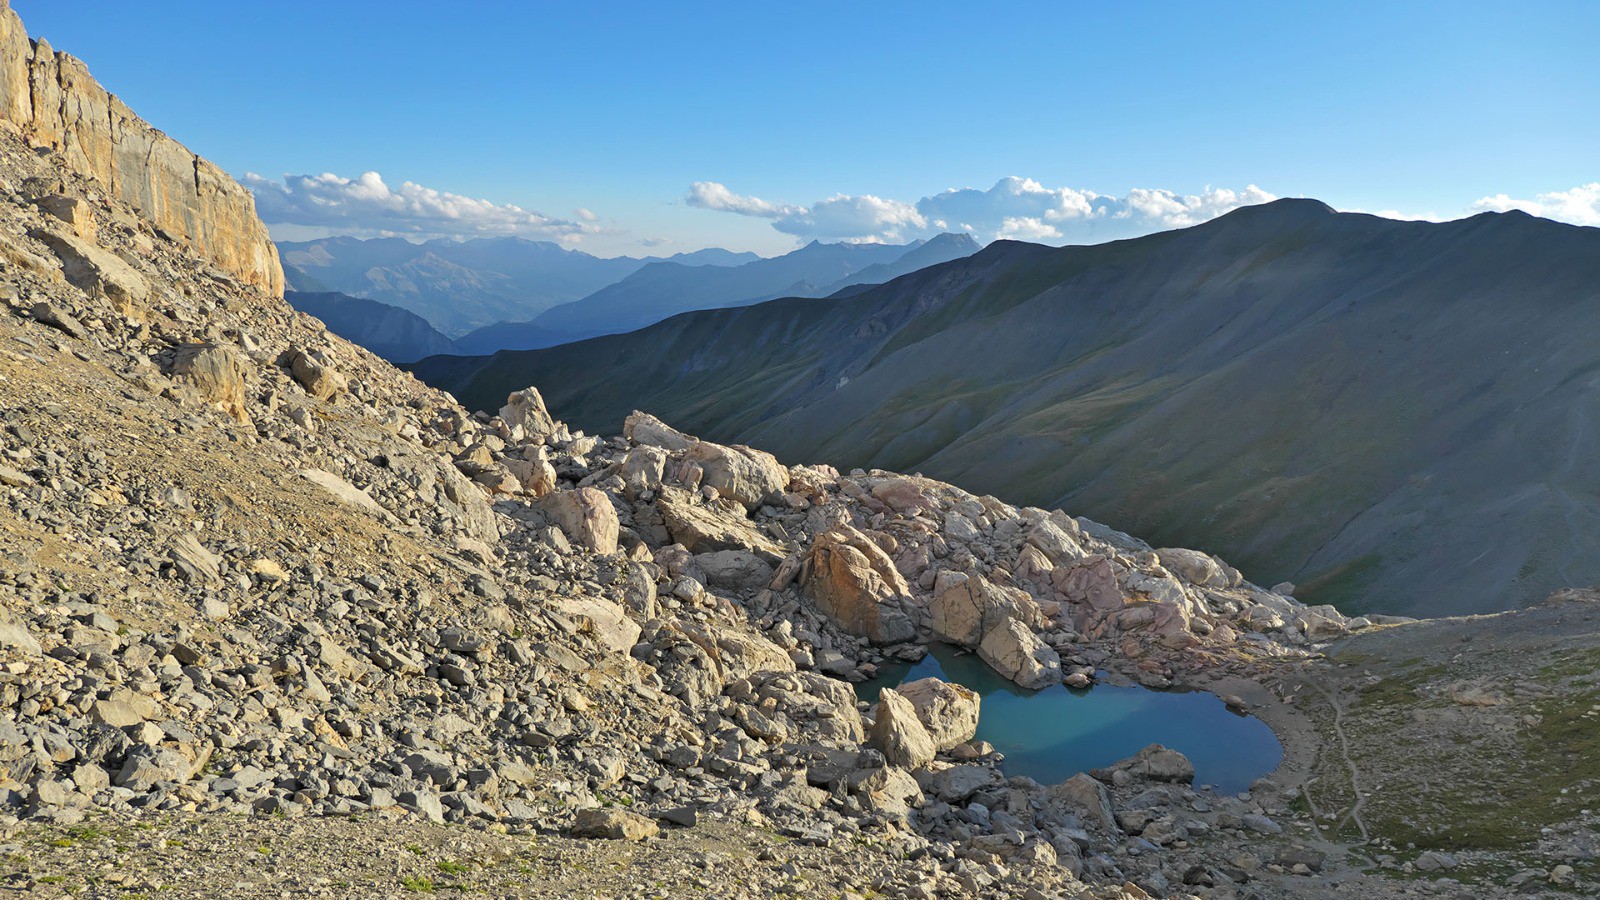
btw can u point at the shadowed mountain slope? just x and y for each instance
(1395, 415)
(393, 333)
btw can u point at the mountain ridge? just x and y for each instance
(661, 290)
(459, 285)
(397, 335)
(978, 371)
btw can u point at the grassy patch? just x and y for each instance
(1401, 689)
(1468, 787)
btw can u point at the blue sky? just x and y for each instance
(598, 120)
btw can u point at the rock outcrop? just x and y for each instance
(52, 98)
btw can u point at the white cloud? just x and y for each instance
(368, 206)
(1179, 211)
(1015, 208)
(1578, 206)
(711, 195)
(1010, 198)
(860, 218)
(1027, 228)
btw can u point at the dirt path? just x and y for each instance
(1354, 813)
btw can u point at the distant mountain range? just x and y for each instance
(491, 294)
(1398, 416)
(461, 285)
(661, 290)
(395, 334)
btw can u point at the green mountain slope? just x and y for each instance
(1397, 416)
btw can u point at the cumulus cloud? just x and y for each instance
(711, 195)
(369, 206)
(1178, 211)
(1578, 206)
(1015, 208)
(864, 218)
(1010, 200)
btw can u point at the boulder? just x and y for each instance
(824, 708)
(898, 734)
(1086, 798)
(424, 803)
(948, 711)
(738, 570)
(1194, 567)
(76, 213)
(97, 272)
(966, 608)
(14, 635)
(46, 313)
(647, 430)
(906, 495)
(525, 410)
(123, 709)
(1013, 650)
(607, 621)
(192, 560)
(217, 373)
(585, 516)
(889, 791)
(1434, 861)
(703, 527)
(613, 824)
(856, 584)
(1153, 763)
(746, 476)
(636, 588)
(957, 784)
(1321, 623)
(1159, 588)
(743, 655)
(534, 471)
(316, 374)
(1092, 583)
(642, 470)
(147, 766)
(1057, 545)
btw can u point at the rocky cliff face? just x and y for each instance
(55, 102)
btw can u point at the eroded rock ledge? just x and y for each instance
(53, 99)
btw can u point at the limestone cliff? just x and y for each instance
(52, 98)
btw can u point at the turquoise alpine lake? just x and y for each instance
(1053, 734)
